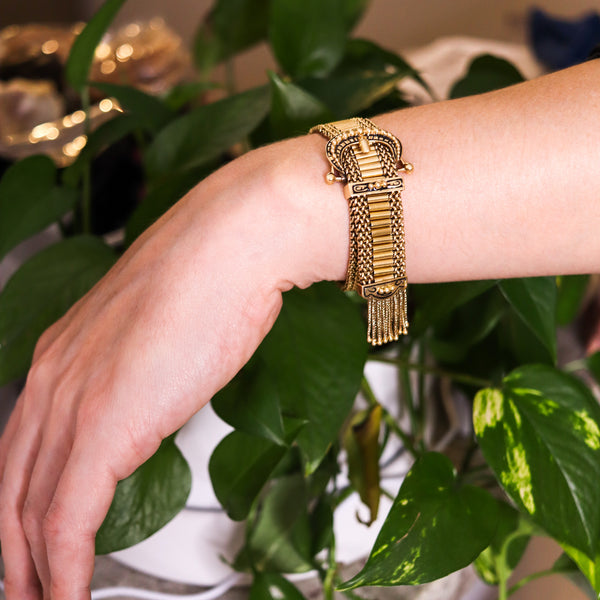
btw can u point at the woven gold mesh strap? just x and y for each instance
(367, 159)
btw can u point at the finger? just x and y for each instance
(46, 473)
(80, 504)
(20, 579)
(8, 434)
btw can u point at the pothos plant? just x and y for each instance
(532, 465)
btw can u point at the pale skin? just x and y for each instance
(506, 184)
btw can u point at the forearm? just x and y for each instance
(505, 184)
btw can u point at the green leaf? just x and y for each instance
(147, 500)
(206, 132)
(435, 527)
(593, 364)
(280, 540)
(540, 434)
(239, 467)
(82, 52)
(151, 112)
(348, 95)
(361, 442)
(266, 586)
(229, 27)
(180, 95)
(522, 344)
(571, 291)
(321, 525)
(352, 12)
(161, 197)
(250, 403)
(30, 200)
(581, 570)
(41, 291)
(500, 558)
(479, 326)
(315, 353)
(110, 132)
(307, 37)
(368, 57)
(486, 73)
(435, 301)
(293, 110)
(534, 300)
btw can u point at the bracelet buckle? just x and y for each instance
(363, 138)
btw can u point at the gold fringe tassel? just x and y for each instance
(387, 317)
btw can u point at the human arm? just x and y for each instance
(493, 193)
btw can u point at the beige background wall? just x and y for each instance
(399, 23)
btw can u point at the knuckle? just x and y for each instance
(44, 342)
(39, 375)
(54, 525)
(31, 523)
(17, 589)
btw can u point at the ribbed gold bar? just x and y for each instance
(385, 244)
(379, 254)
(369, 154)
(379, 221)
(378, 198)
(382, 262)
(383, 229)
(383, 273)
(379, 214)
(374, 171)
(381, 237)
(366, 160)
(379, 205)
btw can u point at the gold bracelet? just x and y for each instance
(367, 160)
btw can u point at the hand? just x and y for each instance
(131, 362)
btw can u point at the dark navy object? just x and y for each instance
(559, 43)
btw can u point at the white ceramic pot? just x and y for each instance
(190, 547)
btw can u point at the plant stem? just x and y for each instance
(502, 576)
(461, 377)
(533, 577)
(407, 394)
(329, 581)
(421, 384)
(388, 419)
(230, 84)
(86, 191)
(387, 494)
(468, 457)
(502, 561)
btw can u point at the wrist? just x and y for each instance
(312, 216)
(272, 212)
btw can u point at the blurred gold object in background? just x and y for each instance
(40, 114)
